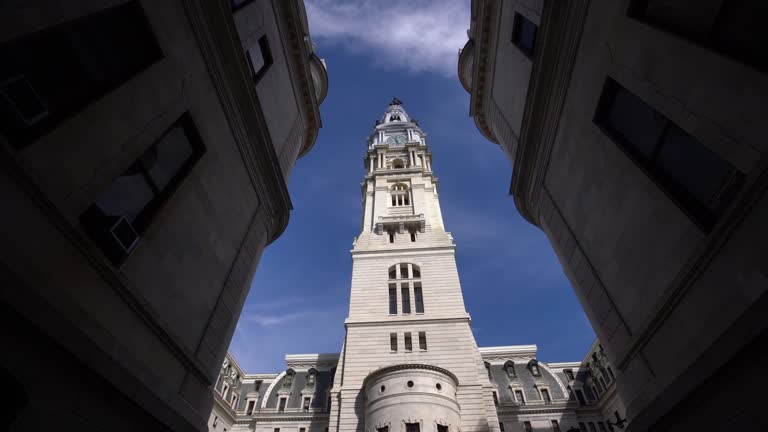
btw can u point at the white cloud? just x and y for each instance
(418, 35)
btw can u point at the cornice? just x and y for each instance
(222, 51)
(484, 61)
(295, 34)
(558, 41)
(409, 366)
(292, 417)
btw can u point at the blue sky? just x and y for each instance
(513, 285)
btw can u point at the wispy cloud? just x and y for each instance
(418, 35)
(271, 320)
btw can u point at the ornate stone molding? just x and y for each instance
(562, 23)
(409, 366)
(296, 36)
(222, 51)
(485, 18)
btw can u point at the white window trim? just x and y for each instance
(285, 407)
(247, 403)
(233, 401)
(224, 389)
(539, 388)
(514, 396)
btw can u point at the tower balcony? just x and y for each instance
(401, 223)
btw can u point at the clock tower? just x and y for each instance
(409, 361)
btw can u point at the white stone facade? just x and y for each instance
(409, 362)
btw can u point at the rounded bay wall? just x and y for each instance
(402, 394)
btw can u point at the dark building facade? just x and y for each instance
(636, 135)
(145, 149)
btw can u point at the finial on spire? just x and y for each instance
(395, 101)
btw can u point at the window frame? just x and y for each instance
(393, 343)
(517, 22)
(408, 341)
(152, 210)
(704, 218)
(266, 54)
(522, 394)
(89, 90)
(422, 341)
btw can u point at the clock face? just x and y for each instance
(396, 139)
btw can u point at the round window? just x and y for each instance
(409, 384)
(438, 386)
(381, 389)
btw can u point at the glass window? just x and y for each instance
(545, 395)
(393, 341)
(249, 410)
(509, 368)
(701, 182)
(259, 58)
(392, 299)
(281, 405)
(524, 35)
(519, 396)
(126, 209)
(50, 75)
(404, 271)
(422, 340)
(411, 427)
(305, 404)
(408, 342)
(406, 298)
(568, 374)
(580, 397)
(416, 271)
(418, 298)
(383, 429)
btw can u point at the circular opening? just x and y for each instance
(409, 384)
(438, 386)
(381, 389)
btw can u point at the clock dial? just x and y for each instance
(396, 139)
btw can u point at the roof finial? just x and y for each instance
(395, 101)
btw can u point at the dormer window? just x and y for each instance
(509, 368)
(533, 366)
(311, 377)
(288, 378)
(395, 117)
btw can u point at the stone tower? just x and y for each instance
(409, 361)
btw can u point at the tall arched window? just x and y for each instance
(404, 280)
(400, 195)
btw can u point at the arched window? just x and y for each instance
(400, 195)
(408, 290)
(509, 368)
(398, 163)
(289, 377)
(407, 271)
(533, 366)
